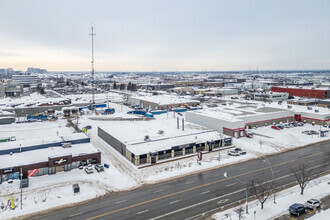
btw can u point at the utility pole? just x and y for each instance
(93, 101)
(21, 189)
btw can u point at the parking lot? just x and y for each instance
(309, 213)
(269, 140)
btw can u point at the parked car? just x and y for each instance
(300, 124)
(89, 169)
(313, 203)
(233, 153)
(306, 132)
(249, 134)
(287, 126)
(99, 167)
(240, 150)
(275, 127)
(314, 132)
(281, 126)
(297, 209)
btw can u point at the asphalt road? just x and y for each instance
(192, 196)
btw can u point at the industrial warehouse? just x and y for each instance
(233, 118)
(160, 102)
(147, 142)
(55, 154)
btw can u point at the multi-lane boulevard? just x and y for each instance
(196, 195)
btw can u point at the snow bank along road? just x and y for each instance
(192, 196)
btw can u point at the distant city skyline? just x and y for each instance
(172, 35)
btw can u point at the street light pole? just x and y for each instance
(21, 189)
(271, 169)
(219, 150)
(246, 192)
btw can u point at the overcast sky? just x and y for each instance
(167, 35)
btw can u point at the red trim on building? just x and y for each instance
(236, 129)
(314, 119)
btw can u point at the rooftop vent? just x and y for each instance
(66, 145)
(146, 138)
(316, 110)
(309, 108)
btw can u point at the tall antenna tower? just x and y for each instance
(92, 34)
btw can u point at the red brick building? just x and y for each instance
(310, 92)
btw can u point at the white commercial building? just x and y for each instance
(233, 119)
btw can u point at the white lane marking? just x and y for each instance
(231, 184)
(175, 201)
(120, 201)
(205, 192)
(276, 171)
(158, 191)
(189, 182)
(142, 212)
(75, 214)
(210, 200)
(311, 161)
(196, 204)
(219, 174)
(222, 201)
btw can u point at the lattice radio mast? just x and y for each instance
(92, 34)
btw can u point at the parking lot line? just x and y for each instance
(290, 217)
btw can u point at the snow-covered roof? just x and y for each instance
(42, 155)
(163, 134)
(166, 143)
(164, 99)
(235, 111)
(41, 141)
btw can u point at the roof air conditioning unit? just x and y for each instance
(146, 138)
(316, 110)
(66, 145)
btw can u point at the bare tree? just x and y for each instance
(239, 211)
(261, 190)
(303, 175)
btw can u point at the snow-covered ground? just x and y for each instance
(36, 130)
(267, 140)
(50, 191)
(317, 189)
(322, 215)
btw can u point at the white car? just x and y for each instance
(89, 169)
(233, 153)
(313, 203)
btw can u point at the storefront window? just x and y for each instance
(67, 167)
(51, 170)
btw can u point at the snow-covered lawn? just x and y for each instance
(316, 189)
